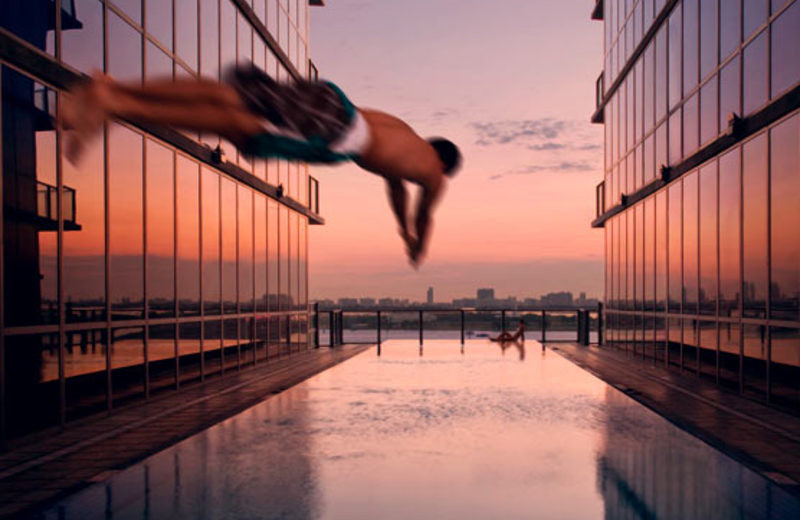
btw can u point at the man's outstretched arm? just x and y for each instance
(427, 201)
(398, 196)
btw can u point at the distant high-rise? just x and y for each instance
(430, 295)
(700, 103)
(485, 295)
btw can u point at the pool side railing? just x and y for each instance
(586, 321)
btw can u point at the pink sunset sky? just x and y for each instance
(512, 83)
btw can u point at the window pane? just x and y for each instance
(158, 20)
(30, 199)
(82, 35)
(209, 43)
(730, 31)
(631, 269)
(160, 230)
(690, 44)
(675, 246)
(30, 368)
(755, 14)
(691, 134)
(245, 249)
(260, 239)
(690, 233)
(227, 23)
(211, 243)
(649, 87)
(785, 207)
(649, 253)
(675, 131)
(229, 293)
(285, 264)
(675, 92)
(161, 357)
(662, 150)
(708, 37)
(661, 251)
(754, 198)
(754, 63)
(188, 237)
(132, 8)
(126, 235)
(708, 239)
(730, 101)
(785, 42)
(709, 119)
(272, 254)
(127, 364)
(158, 66)
(729, 233)
(661, 73)
(186, 32)
(785, 368)
(124, 50)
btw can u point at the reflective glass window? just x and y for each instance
(754, 64)
(189, 336)
(209, 43)
(662, 150)
(785, 208)
(229, 246)
(34, 22)
(227, 35)
(132, 8)
(754, 239)
(730, 30)
(81, 35)
(188, 237)
(663, 68)
(30, 199)
(303, 263)
(212, 304)
(273, 258)
(661, 251)
(708, 37)
(691, 130)
(158, 20)
(691, 42)
(260, 248)
(127, 364)
(245, 249)
(158, 66)
(649, 87)
(648, 245)
(690, 235)
(160, 218)
(754, 361)
(245, 45)
(754, 14)
(675, 131)
(730, 101)
(729, 233)
(272, 17)
(124, 50)
(212, 346)
(785, 65)
(785, 368)
(675, 53)
(708, 239)
(125, 187)
(631, 266)
(161, 356)
(675, 242)
(186, 32)
(709, 119)
(638, 73)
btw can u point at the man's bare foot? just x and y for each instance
(83, 113)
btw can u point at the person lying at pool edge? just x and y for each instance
(310, 121)
(518, 335)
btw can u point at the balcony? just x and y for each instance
(599, 98)
(597, 12)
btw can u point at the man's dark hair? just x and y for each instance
(448, 153)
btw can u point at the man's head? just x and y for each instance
(448, 153)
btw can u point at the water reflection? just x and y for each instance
(448, 435)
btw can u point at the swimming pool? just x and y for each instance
(482, 432)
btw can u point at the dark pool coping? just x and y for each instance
(755, 434)
(45, 468)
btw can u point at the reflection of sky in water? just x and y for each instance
(447, 435)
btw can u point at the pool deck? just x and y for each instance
(760, 436)
(53, 463)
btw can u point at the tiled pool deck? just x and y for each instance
(58, 463)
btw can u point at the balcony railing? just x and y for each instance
(313, 195)
(368, 325)
(600, 199)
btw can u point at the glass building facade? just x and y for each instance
(160, 263)
(701, 195)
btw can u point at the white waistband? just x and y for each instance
(357, 138)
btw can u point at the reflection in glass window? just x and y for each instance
(708, 239)
(662, 157)
(303, 263)
(124, 50)
(708, 37)
(132, 8)
(229, 278)
(730, 30)
(158, 20)
(690, 44)
(631, 272)
(209, 43)
(227, 35)
(127, 351)
(754, 239)
(158, 66)
(755, 14)
(690, 235)
(661, 73)
(273, 258)
(675, 130)
(785, 357)
(785, 208)
(126, 262)
(754, 361)
(785, 66)
(691, 124)
(730, 101)
(675, 53)
(260, 247)
(30, 200)
(245, 249)
(245, 34)
(82, 35)
(188, 236)
(161, 356)
(754, 64)
(212, 304)
(186, 32)
(649, 241)
(160, 215)
(661, 251)
(649, 87)
(729, 233)
(709, 119)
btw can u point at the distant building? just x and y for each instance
(348, 302)
(430, 295)
(485, 295)
(367, 302)
(558, 299)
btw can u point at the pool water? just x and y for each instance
(446, 433)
